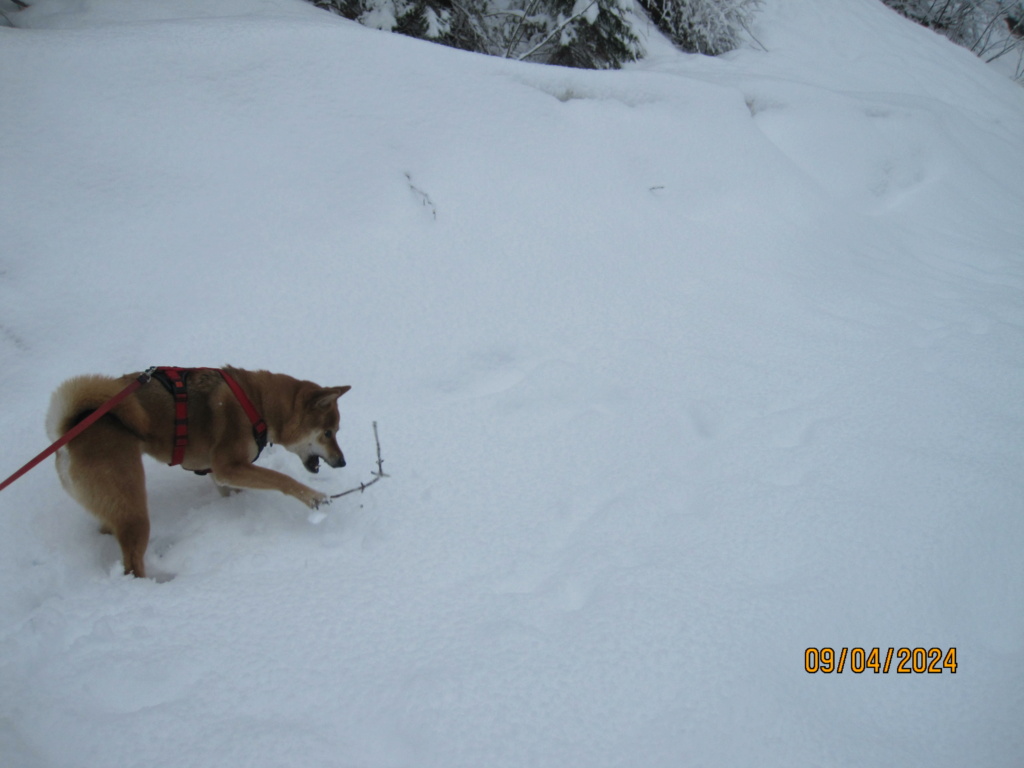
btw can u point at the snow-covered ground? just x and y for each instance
(679, 371)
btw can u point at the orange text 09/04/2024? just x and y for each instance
(902, 661)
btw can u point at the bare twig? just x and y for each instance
(517, 32)
(424, 197)
(746, 28)
(376, 475)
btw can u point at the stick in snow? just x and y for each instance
(376, 475)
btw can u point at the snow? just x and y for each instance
(679, 370)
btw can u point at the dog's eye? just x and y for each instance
(329, 434)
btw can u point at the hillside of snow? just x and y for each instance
(679, 371)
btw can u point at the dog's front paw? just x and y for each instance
(316, 500)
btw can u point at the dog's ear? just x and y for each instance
(324, 398)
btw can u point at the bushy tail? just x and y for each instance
(78, 397)
(102, 466)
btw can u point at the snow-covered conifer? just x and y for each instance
(702, 26)
(594, 34)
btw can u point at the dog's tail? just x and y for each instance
(76, 398)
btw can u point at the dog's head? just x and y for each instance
(315, 428)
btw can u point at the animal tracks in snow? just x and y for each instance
(495, 371)
(519, 382)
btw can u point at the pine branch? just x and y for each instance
(557, 30)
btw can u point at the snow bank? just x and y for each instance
(679, 371)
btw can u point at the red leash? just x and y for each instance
(81, 426)
(176, 385)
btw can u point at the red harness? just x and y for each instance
(175, 381)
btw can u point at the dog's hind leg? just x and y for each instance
(102, 469)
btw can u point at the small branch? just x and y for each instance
(746, 28)
(517, 32)
(424, 197)
(376, 475)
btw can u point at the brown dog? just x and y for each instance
(102, 467)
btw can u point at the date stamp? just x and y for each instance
(902, 661)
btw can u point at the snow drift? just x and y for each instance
(679, 371)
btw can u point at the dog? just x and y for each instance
(101, 468)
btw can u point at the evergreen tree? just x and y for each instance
(711, 27)
(590, 34)
(593, 34)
